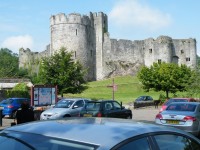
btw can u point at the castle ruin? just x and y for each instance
(87, 37)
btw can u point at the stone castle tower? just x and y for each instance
(88, 39)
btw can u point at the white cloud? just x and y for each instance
(14, 43)
(131, 13)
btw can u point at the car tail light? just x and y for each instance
(161, 109)
(99, 114)
(189, 118)
(159, 116)
(10, 106)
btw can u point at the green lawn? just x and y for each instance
(128, 89)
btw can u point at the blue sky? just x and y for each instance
(25, 23)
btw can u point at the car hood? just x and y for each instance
(56, 110)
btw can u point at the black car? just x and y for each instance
(105, 108)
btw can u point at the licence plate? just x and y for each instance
(87, 115)
(172, 121)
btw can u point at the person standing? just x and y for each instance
(25, 114)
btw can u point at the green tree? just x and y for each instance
(8, 63)
(168, 77)
(61, 70)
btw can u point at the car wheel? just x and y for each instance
(67, 115)
(12, 115)
(129, 117)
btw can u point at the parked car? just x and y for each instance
(143, 101)
(169, 101)
(11, 105)
(95, 134)
(67, 107)
(183, 115)
(105, 108)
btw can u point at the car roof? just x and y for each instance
(182, 98)
(194, 103)
(74, 99)
(106, 132)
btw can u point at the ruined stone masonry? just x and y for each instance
(88, 38)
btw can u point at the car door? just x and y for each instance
(120, 112)
(108, 110)
(76, 108)
(113, 109)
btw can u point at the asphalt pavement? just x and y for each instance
(144, 114)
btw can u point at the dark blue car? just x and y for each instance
(11, 105)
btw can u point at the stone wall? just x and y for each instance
(88, 38)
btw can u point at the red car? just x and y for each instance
(169, 101)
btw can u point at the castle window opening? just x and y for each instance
(187, 58)
(159, 61)
(150, 50)
(76, 31)
(182, 51)
(91, 52)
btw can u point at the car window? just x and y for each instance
(139, 144)
(150, 98)
(116, 105)
(176, 100)
(108, 106)
(182, 107)
(93, 106)
(79, 103)
(175, 142)
(12, 144)
(26, 142)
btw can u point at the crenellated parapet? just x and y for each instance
(73, 18)
(87, 37)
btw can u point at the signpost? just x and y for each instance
(114, 88)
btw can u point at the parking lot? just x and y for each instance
(144, 114)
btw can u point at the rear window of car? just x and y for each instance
(8, 101)
(182, 107)
(93, 105)
(176, 100)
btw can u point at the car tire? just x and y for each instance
(129, 117)
(12, 115)
(67, 115)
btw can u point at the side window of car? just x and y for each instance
(175, 142)
(79, 103)
(9, 143)
(108, 106)
(139, 144)
(116, 105)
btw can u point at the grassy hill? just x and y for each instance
(128, 89)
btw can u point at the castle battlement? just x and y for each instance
(87, 37)
(73, 18)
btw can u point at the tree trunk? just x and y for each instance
(167, 94)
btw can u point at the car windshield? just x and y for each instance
(175, 100)
(64, 104)
(182, 107)
(93, 106)
(140, 98)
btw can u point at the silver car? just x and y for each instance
(95, 134)
(68, 107)
(182, 115)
